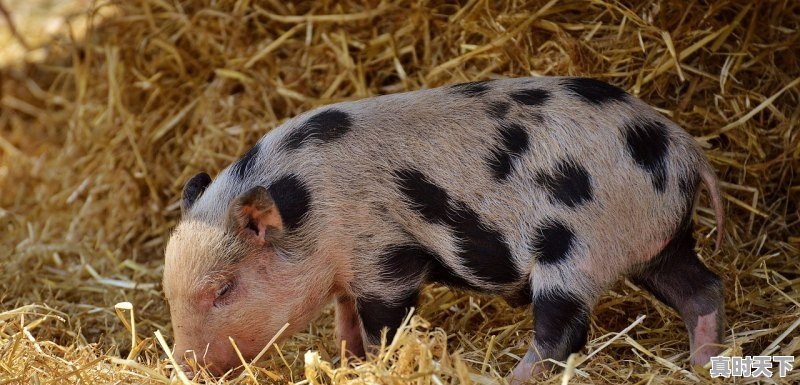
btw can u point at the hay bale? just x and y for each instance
(99, 133)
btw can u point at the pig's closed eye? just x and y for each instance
(222, 294)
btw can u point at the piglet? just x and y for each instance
(540, 190)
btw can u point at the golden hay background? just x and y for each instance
(100, 127)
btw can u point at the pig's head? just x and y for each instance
(228, 278)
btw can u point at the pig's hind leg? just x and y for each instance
(679, 279)
(561, 315)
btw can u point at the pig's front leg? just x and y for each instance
(378, 313)
(348, 326)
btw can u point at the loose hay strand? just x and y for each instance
(116, 104)
(269, 344)
(168, 351)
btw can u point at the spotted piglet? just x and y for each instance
(540, 189)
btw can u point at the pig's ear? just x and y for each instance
(193, 189)
(255, 216)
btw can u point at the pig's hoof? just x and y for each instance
(525, 372)
(186, 369)
(521, 378)
(520, 375)
(703, 355)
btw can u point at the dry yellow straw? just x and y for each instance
(116, 104)
(175, 367)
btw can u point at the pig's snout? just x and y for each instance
(182, 357)
(207, 360)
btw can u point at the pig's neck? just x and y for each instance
(314, 286)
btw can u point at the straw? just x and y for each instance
(114, 105)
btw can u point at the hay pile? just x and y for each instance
(127, 102)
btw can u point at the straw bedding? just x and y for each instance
(101, 126)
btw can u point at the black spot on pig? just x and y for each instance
(471, 89)
(594, 91)
(569, 183)
(243, 165)
(498, 110)
(647, 142)
(532, 97)
(193, 189)
(521, 297)
(292, 198)
(377, 314)
(439, 272)
(324, 127)
(553, 242)
(482, 249)
(514, 141)
(404, 261)
(560, 322)
(414, 260)
(426, 198)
